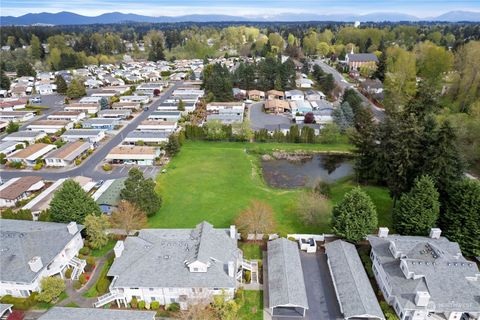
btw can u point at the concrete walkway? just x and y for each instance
(76, 296)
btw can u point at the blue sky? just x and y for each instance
(420, 8)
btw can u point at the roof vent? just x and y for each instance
(118, 249)
(435, 233)
(35, 264)
(72, 227)
(383, 232)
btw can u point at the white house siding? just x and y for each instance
(166, 296)
(55, 267)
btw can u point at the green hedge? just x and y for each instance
(20, 303)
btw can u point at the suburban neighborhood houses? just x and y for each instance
(269, 161)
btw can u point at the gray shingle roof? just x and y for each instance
(355, 294)
(22, 240)
(148, 134)
(444, 275)
(362, 57)
(24, 134)
(82, 132)
(286, 286)
(62, 313)
(166, 251)
(4, 307)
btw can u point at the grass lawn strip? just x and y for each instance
(215, 181)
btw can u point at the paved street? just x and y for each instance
(54, 102)
(89, 167)
(258, 118)
(378, 113)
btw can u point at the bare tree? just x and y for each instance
(128, 217)
(257, 219)
(313, 208)
(199, 309)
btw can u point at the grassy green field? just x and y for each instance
(251, 306)
(215, 181)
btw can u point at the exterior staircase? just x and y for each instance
(107, 298)
(78, 266)
(251, 266)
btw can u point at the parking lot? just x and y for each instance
(259, 119)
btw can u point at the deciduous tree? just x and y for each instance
(313, 208)
(76, 89)
(96, 227)
(51, 288)
(256, 219)
(128, 217)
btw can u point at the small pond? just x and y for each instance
(282, 173)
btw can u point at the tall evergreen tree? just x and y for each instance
(364, 139)
(461, 220)
(36, 48)
(71, 203)
(417, 211)
(382, 62)
(355, 216)
(4, 80)
(25, 68)
(62, 86)
(442, 158)
(141, 192)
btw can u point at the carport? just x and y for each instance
(287, 297)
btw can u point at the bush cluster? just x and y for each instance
(20, 303)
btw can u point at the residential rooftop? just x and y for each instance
(22, 240)
(63, 313)
(169, 251)
(12, 191)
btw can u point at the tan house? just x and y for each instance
(30, 154)
(275, 94)
(90, 108)
(17, 189)
(133, 106)
(256, 95)
(277, 106)
(139, 155)
(67, 154)
(49, 126)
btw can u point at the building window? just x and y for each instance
(195, 269)
(172, 300)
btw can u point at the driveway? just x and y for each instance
(259, 119)
(89, 167)
(322, 301)
(378, 113)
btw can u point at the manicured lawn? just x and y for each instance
(215, 181)
(251, 250)
(252, 306)
(379, 196)
(103, 251)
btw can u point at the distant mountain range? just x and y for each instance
(69, 18)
